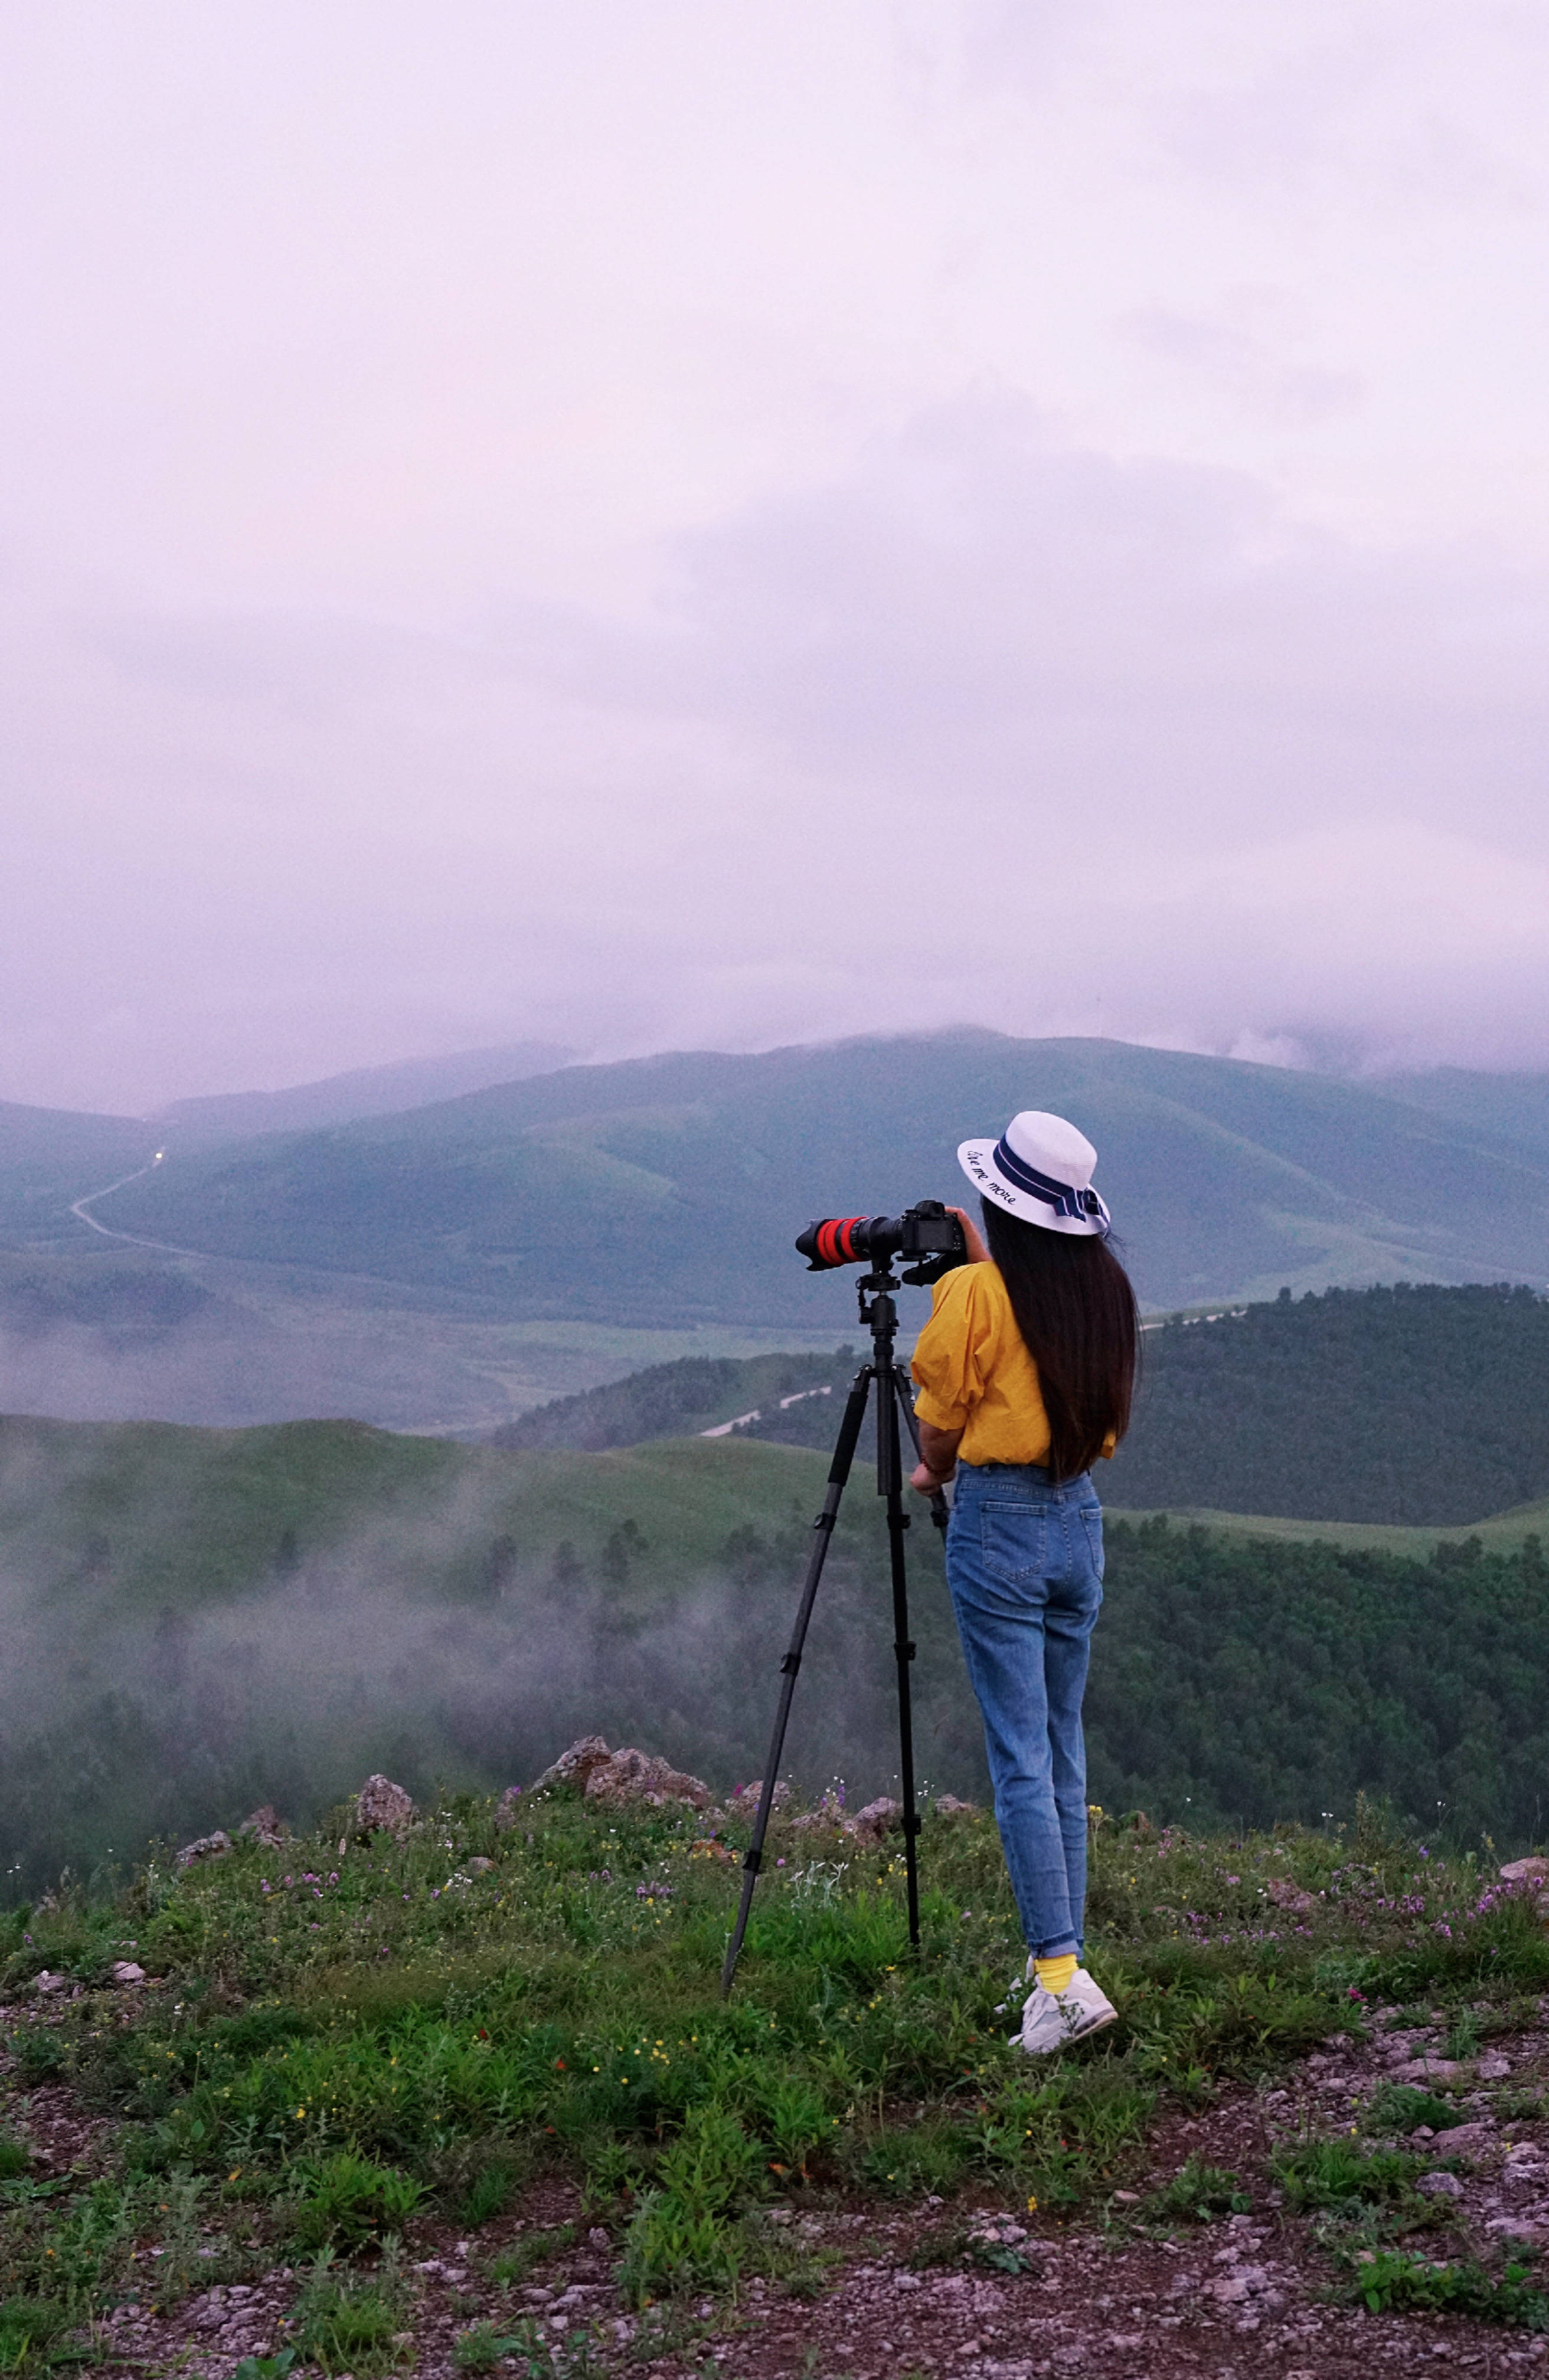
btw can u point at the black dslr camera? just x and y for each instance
(928, 1234)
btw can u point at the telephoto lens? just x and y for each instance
(928, 1230)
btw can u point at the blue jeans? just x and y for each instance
(1024, 1563)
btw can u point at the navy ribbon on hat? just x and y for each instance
(1082, 1206)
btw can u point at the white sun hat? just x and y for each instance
(1040, 1168)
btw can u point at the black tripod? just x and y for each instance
(895, 1398)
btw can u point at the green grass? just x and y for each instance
(1339, 2173)
(1197, 2193)
(1403, 2280)
(344, 2044)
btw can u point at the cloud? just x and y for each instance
(990, 727)
(747, 525)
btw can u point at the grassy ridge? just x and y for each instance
(129, 1518)
(346, 2042)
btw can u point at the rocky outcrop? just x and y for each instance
(878, 1819)
(1529, 1875)
(205, 1847)
(629, 1777)
(744, 1798)
(383, 1807)
(618, 1778)
(266, 1828)
(574, 1767)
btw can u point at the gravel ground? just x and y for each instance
(888, 2292)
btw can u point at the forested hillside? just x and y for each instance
(1421, 1406)
(197, 1622)
(1412, 1404)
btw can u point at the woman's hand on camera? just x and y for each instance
(977, 1252)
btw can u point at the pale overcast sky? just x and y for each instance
(677, 523)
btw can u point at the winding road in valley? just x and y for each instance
(79, 1207)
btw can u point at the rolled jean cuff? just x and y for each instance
(1065, 1948)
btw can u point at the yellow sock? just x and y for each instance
(1055, 1974)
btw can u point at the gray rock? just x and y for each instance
(1287, 1895)
(383, 1807)
(878, 1818)
(508, 1810)
(266, 1828)
(126, 1972)
(744, 1798)
(1465, 2139)
(45, 1984)
(947, 1805)
(1439, 2185)
(1427, 2069)
(629, 1776)
(574, 1766)
(1494, 2068)
(1533, 1870)
(205, 1847)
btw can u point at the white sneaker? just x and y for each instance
(1053, 2021)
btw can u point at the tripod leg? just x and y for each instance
(890, 1483)
(838, 1472)
(939, 1511)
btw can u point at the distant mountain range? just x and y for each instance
(444, 1263)
(668, 1190)
(342, 1099)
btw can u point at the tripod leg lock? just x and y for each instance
(905, 1652)
(790, 1665)
(825, 1520)
(754, 1861)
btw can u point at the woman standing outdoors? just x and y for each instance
(1025, 1372)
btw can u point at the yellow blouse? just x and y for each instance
(973, 1371)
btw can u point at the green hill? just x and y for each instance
(1508, 1107)
(1424, 1407)
(199, 1622)
(667, 1190)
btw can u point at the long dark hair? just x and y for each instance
(1075, 1311)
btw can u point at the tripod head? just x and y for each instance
(874, 1295)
